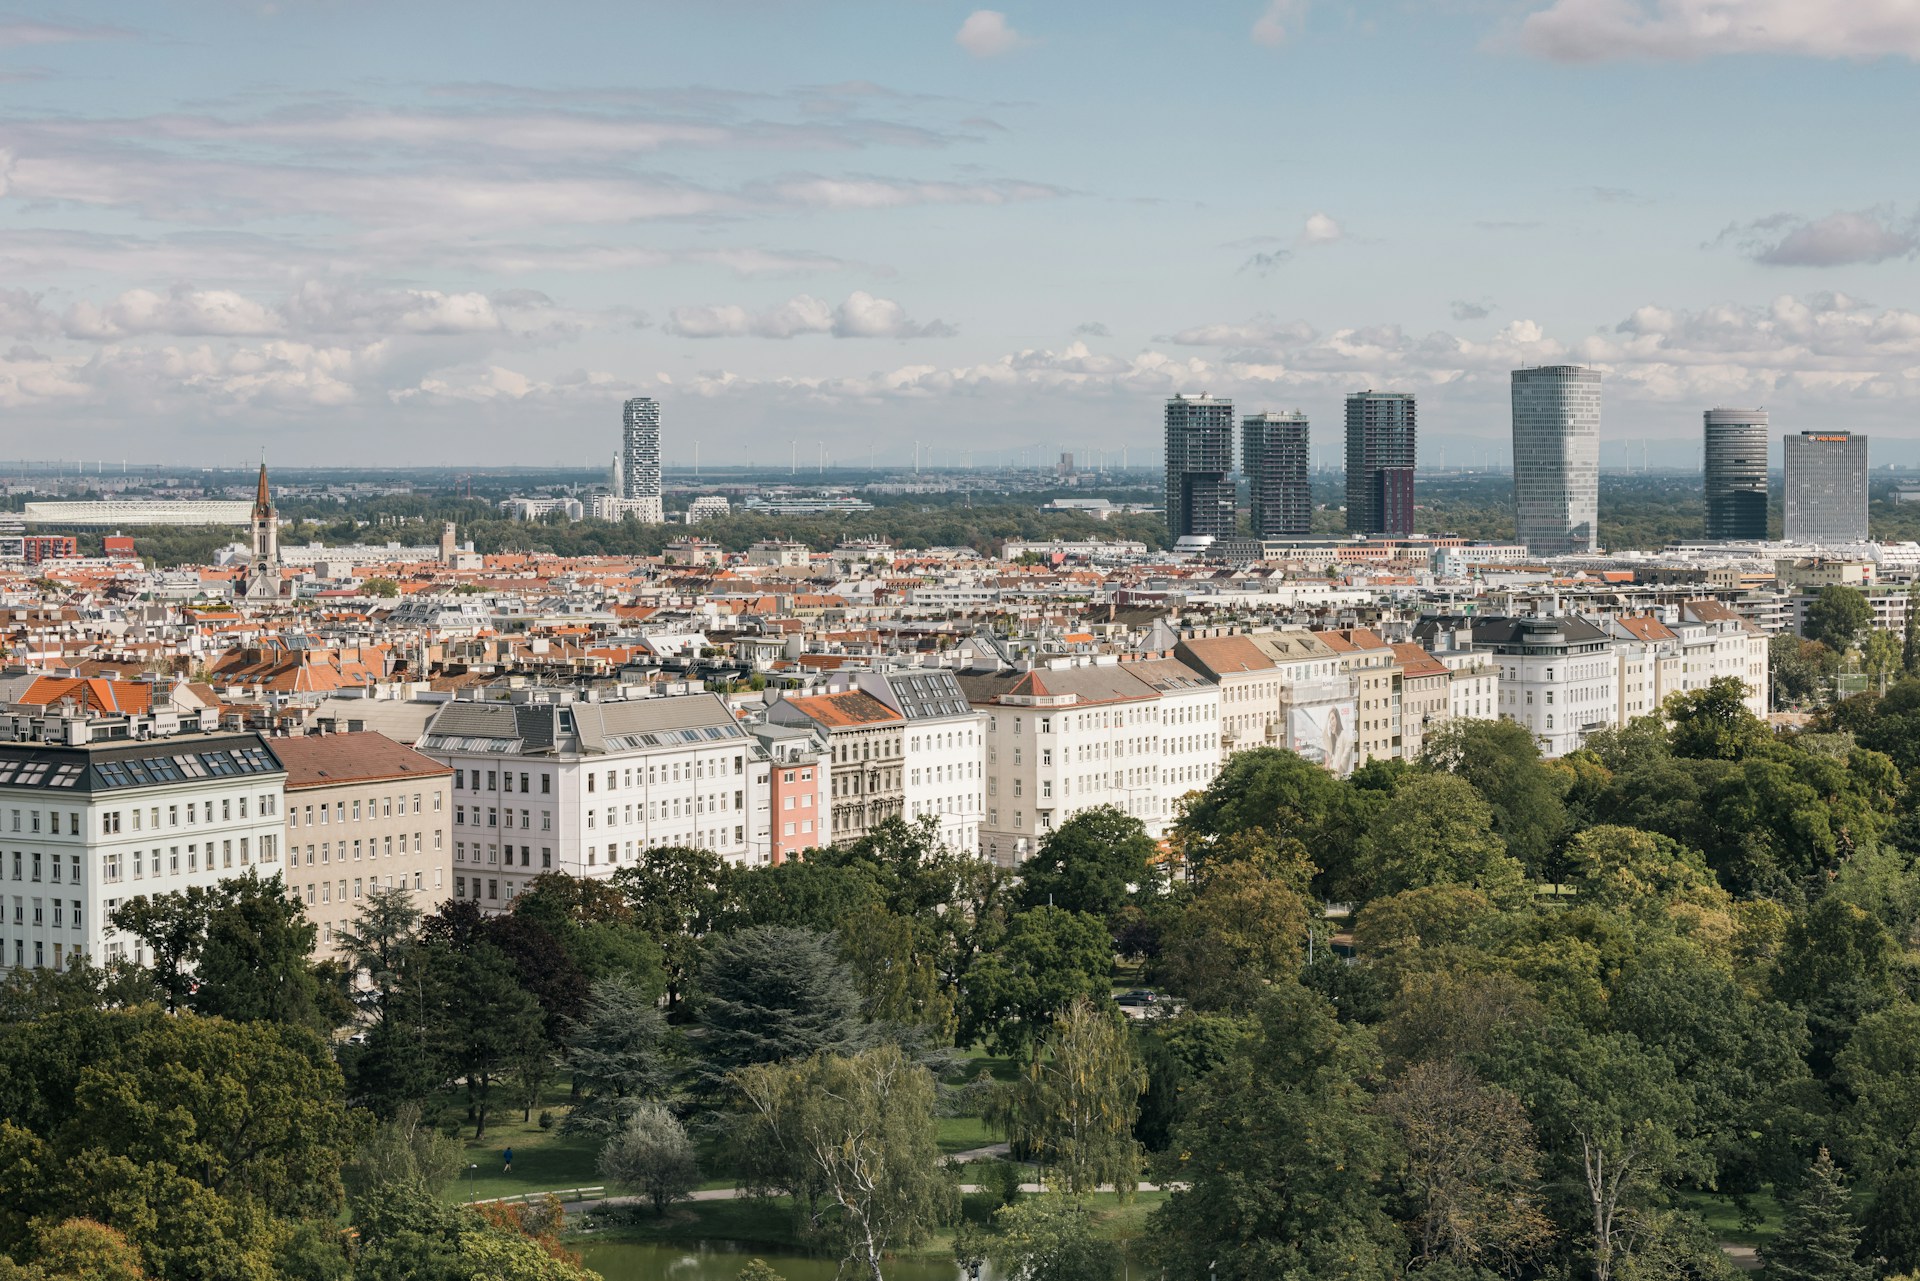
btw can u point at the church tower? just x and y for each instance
(263, 567)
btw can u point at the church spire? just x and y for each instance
(261, 503)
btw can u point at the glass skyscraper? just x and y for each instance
(1380, 458)
(1736, 474)
(1826, 474)
(1200, 498)
(1556, 459)
(1273, 457)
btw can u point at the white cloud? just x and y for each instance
(986, 34)
(1278, 21)
(1603, 30)
(1320, 230)
(1839, 239)
(182, 310)
(861, 316)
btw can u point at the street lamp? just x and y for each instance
(473, 1172)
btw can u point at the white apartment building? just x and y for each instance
(548, 783)
(1078, 733)
(1705, 642)
(85, 825)
(1559, 676)
(946, 745)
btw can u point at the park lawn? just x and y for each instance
(998, 1066)
(543, 1160)
(965, 1133)
(1720, 1215)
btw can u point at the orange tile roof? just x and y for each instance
(846, 711)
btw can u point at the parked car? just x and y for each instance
(1139, 998)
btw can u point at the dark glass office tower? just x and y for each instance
(1736, 474)
(1380, 458)
(1199, 467)
(1273, 457)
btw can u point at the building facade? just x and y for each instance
(1274, 457)
(362, 811)
(551, 783)
(866, 748)
(1559, 677)
(944, 760)
(1735, 456)
(640, 457)
(1556, 459)
(1199, 454)
(1380, 462)
(1826, 487)
(86, 825)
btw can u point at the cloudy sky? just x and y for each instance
(412, 231)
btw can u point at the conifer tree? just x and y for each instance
(1820, 1240)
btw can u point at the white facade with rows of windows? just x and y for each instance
(85, 826)
(582, 787)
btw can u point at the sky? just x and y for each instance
(410, 232)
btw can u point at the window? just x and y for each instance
(546, 783)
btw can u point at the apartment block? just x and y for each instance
(362, 811)
(550, 783)
(85, 825)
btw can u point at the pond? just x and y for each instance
(722, 1261)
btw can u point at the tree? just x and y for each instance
(1047, 957)
(1048, 1238)
(652, 1154)
(1472, 1170)
(1837, 616)
(383, 933)
(1837, 964)
(1625, 869)
(1073, 1108)
(485, 1021)
(1280, 791)
(1819, 1240)
(771, 993)
(384, 588)
(1437, 831)
(77, 1250)
(1880, 655)
(758, 1270)
(1234, 937)
(172, 928)
(1095, 862)
(1615, 1120)
(1501, 760)
(677, 895)
(864, 1127)
(254, 959)
(1176, 1054)
(1282, 1157)
(192, 1136)
(1714, 723)
(1798, 668)
(404, 1150)
(617, 1052)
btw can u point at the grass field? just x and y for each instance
(1720, 1214)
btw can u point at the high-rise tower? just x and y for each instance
(1380, 459)
(640, 449)
(1556, 459)
(1199, 467)
(1273, 457)
(1826, 483)
(1736, 474)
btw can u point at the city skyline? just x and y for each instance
(283, 233)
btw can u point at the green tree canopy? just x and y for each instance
(1837, 617)
(1095, 862)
